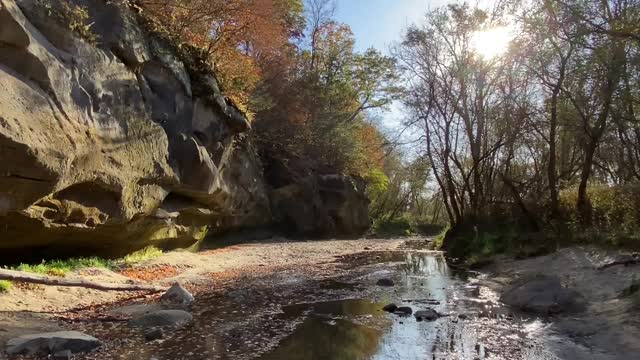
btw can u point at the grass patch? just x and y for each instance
(62, 267)
(148, 253)
(438, 240)
(5, 286)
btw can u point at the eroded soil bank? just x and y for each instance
(319, 300)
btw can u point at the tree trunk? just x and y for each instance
(584, 209)
(20, 276)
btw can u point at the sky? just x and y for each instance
(379, 23)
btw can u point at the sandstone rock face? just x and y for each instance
(109, 144)
(322, 205)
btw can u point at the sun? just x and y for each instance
(491, 43)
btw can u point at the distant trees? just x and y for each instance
(318, 121)
(557, 111)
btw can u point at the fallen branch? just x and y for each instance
(21, 276)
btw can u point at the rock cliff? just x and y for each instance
(105, 141)
(110, 141)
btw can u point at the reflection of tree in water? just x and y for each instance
(317, 339)
(320, 337)
(424, 264)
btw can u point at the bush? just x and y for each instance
(5, 286)
(614, 215)
(476, 245)
(395, 227)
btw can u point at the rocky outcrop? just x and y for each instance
(112, 139)
(541, 294)
(322, 205)
(108, 142)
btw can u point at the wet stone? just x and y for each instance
(403, 311)
(390, 308)
(153, 334)
(52, 343)
(385, 282)
(168, 318)
(426, 315)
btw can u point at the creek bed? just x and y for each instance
(296, 315)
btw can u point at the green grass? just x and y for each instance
(5, 286)
(148, 253)
(62, 267)
(438, 240)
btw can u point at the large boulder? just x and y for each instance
(109, 142)
(326, 205)
(52, 343)
(541, 294)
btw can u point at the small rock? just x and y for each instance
(385, 282)
(63, 355)
(367, 248)
(463, 317)
(51, 343)
(403, 311)
(153, 334)
(172, 318)
(390, 308)
(426, 315)
(177, 295)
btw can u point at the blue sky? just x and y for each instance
(378, 23)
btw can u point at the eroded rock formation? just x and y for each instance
(107, 144)
(110, 141)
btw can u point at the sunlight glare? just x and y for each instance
(491, 43)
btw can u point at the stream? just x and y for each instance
(294, 315)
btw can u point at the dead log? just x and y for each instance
(25, 277)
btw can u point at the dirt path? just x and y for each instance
(33, 308)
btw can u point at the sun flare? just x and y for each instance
(493, 42)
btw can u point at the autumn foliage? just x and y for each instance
(299, 78)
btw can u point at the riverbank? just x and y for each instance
(279, 297)
(34, 308)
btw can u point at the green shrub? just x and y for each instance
(396, 227)
(438, 241)
(614, 215)
(148, 253)
(73, 16)
(5, 286)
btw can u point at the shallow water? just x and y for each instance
(290, 316)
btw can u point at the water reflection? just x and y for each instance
(331, 332)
